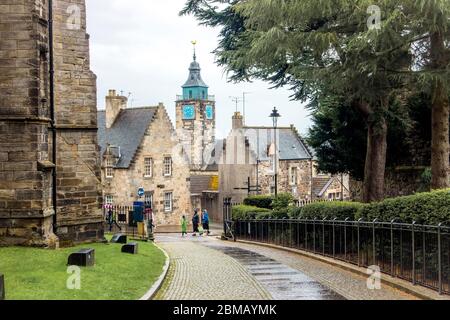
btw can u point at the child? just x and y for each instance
(183, 226)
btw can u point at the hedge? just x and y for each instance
(260, 201)
(328, 210)
(247, 212)
(424, 208)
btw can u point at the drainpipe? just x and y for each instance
(52, 108)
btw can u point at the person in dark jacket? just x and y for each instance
(205, 221)
(195, 222)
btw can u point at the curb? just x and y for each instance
(158, 284)
(396, 283)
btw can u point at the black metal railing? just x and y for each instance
(121, 214)
(416, 253)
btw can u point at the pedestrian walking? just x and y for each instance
(112, 219)
(183, 226)
(195, 222)
(205, 222)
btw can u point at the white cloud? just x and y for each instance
(143, 47)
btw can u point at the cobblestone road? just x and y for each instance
(209, 269)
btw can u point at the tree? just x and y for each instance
(431, 24)
(338, 136)
(316, 47)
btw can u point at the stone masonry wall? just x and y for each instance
(26, 213)
(25, 203)
(159, 141)
(79, 216)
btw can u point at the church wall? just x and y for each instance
(79, 216)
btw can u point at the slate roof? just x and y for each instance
(127, 132)
(195, 77)
(291, 145)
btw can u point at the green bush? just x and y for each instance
(243, 212)
(283, 201)
(424, 208)
(260, 201)
(329, 210)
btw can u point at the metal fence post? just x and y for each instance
(334, 238)
(392, 247)
(439, 258)
(345, 238)
(413, 255)
(374, 249)
(358, 226)
(314, 235)
(306, 235)
(323, 236)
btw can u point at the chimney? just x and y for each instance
(238, 121)
(114, 104)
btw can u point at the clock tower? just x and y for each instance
(196, 118)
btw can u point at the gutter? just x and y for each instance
(52, 110)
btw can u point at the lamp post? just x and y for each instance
(275, 115)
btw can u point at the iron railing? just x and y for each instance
(416, 253)
(121, 213)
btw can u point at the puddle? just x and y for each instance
(281, 281)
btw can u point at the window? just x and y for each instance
(148, 167)
(109, 200)
(190, 94)
(109, 168)
(167, 166)
(149, 199)
(168, 202)
(293, 178)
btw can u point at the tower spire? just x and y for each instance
(194, 43)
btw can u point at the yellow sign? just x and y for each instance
(214, 183)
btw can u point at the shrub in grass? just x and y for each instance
(243, 212)
(424, 208)
(283, 201)
(260, 201)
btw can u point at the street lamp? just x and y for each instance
(275, 115)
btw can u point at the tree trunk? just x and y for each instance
(440, 119)
(375, 166)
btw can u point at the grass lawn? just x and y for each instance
(40, 274)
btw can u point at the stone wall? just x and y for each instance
(26, 212)
(79, 216)
(160, 140)
(398, 182)
(25, 207)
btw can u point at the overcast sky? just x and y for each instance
(144, 47)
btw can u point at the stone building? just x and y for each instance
(140, 148)
(248, 155)
(27, 160)
(331, 188)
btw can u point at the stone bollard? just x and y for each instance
(2, 287)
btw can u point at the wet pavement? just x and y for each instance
(281, 281)
(277, 280)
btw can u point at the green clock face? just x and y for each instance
(209, 111)
(188, 112)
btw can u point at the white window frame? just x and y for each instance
(167, 166)
(148, 167)
(109, 200)
(109, 169)
(293, 179)
(168, 202)
(148, 196)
